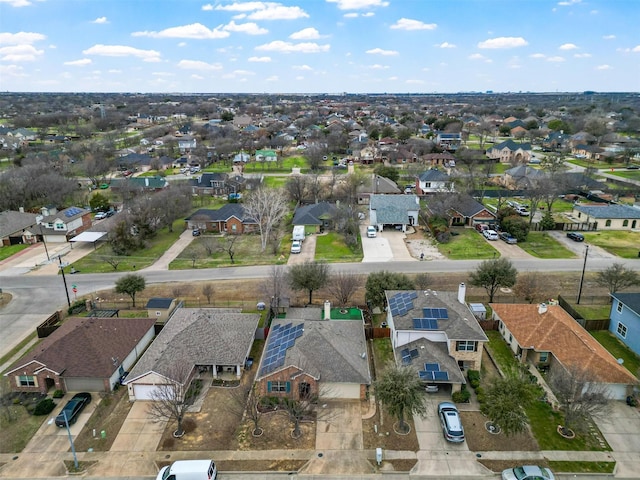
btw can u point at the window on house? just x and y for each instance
(607, 223)
(619, 307)
(466, 346)
(625, 223)
(544, 357)
(234, 227)
(622, 330)
(427, 185)
(279, 386)
(27, 381)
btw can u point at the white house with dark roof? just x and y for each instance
(435, 333)
(393, 210)
(306, 355)
(57, 227)
(211, 340)
(609, 217)
(433, 181)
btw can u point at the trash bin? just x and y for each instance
(103, 434)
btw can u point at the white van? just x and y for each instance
(189, 470)
(298, 233)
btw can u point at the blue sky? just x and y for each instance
(319, 46)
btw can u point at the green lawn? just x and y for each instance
(633, 174)
(500, 351)
(543, 245)
(331, 248)
(273, 181)
(96, 262)
(582, 467)
(247, 251)
(618, 350)
(382, 352)
(8, 251)
(593, 312)
(284, 166)
(621, 243)
(468, 244)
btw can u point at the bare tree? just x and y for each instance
(275, 286)
(343, 285)
(529, 286)
(245, 403)
(298, 411)
(296, 188)
(267, 207)
(423, 281)
(172, 400)
(113, 261)
(617, 277)
(208, 291)
(227, 246)
(178, 290)
(580, 395)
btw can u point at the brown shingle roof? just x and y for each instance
(557, 332)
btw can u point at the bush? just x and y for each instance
(58, 394)
(461, 397)
(475, 384)
(44, 407)
(473, 375)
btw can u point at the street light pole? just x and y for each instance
(64, 280)
(73, 447)
(584, 266)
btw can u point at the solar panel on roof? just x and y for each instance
(280, 339)
(441, 375)
(432, 367)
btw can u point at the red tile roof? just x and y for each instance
(557, 332)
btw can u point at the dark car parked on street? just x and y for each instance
(73, 408)
(575, 236)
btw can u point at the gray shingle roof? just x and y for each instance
(330, 350)
(434, 176)
(11, 222)
(631, 300)
(223, 214)
(461, 324)
(393, 209)
(609, 211)
(314, 214)
(199, 336)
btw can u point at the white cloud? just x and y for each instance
(582, 55)
(414, 81)
(249, 28)
(123, 51)
(537, 55)
(358, 4)
(379, 51)
(20, 38)
(409, 24)
(17, 3)
(163, 74)
(272, 78)
(207, 8)
(195, 76)
(243, 72)
(182, 44)
(78, 63)
(20, 53)
(445, 45)
(476, 56)
(198, 65)
(503, 42)
(608, 37)
(604, 67)
(195, 30)
(114, 70)
(636, 49)
(263, 10)
(101, 20)
(305, 34)
(288, 47)
(351, 15)
(568, 3)
(302, 67)
(378, 67)
(555, 59)
(568, 46)
(259, 59)
(12, 70)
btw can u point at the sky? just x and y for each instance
(319, 46)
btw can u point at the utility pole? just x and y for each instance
(64, 280)
(584, 267)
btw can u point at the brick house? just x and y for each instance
(230, 218)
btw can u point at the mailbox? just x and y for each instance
(379, 455)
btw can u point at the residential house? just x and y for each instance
(443, 159)
(522, 177)
(555, 141)
(194, 341)
(241, 157)
(374, 185)
(449, 141)
(582, 138)
(547, 336)
(57, 227)
(187, 145)
(210, 184)
(266, 156)
(590, 152)
(624, 319)
(161, 309)
(393, 211)
(230, 218)
(433, 181)
(17, 227)
(308, 354)
(608, 216)
(147, 184)
(319, 215)
(88, 353)
(435, 333)
(510, 152)
(462, 209)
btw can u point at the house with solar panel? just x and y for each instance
(59, 227)
(308, 354)
(436, 334)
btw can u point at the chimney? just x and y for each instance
(462, 293)
(542, 308)
(21, 209)
(327, 310)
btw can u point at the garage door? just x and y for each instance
(84, 384)
(340, 390)
(143, 392)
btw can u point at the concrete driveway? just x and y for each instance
(139, 432)
(579, 247)
(307, 252)
(387, 246)
(620, 427)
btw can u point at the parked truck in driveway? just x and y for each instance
(298, 233)
(189, 470)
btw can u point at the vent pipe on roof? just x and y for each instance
(542, 308)
(462, 293)
(327, 310)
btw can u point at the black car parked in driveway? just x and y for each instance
(575, 236)
(73, 408)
